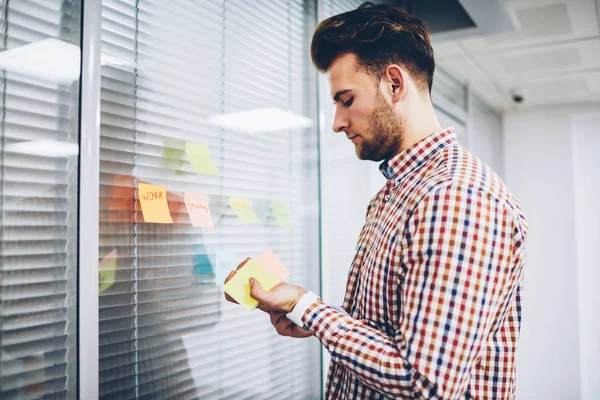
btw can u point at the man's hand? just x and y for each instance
(285, 327)
(283, 297)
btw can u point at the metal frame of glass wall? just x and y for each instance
(89, 153)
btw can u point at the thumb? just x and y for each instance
(257, 292)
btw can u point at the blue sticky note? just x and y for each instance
(202, 263)
(225, 263)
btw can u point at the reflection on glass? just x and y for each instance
(39, 71)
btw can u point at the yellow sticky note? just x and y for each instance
(200, 158)
(239, 286)
(106, 270)
(269, 261)
(244, 211)
(282, 213)
(198, 210)
(153, 199)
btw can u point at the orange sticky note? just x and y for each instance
(269, 261)
(239, 286)
(244, 211)
(200, 158)
(106, 271)
(153, 199)
(198, 210)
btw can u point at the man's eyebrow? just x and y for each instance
(336, 98)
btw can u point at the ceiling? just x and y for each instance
(553, 58)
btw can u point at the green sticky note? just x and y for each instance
(243, 210)
(173, 154)
(282, 213)
(106, 270)
(200, 158)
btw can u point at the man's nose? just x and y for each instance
(340, 124)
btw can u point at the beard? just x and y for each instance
(384, 135)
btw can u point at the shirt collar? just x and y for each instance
(415, 156)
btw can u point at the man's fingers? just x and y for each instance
(230, 299)
(264, 308)
(276, 317)
(231, 275)
(242, 263)
(258, 293)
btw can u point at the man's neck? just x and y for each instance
(421, 123)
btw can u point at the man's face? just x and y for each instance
(362, 112)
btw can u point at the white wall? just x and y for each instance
(539, 170)
(586, 148)
(485, 134)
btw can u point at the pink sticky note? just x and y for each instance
(269, 261)
(198, 210)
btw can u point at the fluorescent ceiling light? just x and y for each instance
(49, 59)
(46, 148)
(261, 120)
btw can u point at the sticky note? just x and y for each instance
(282, 213)
(243, 210)
(198, 209)
(202, 263)
(239, 286)
(106, 270)
(172, 153)
(269, 261)
(154, 203)
(225, 263)
(200, 158)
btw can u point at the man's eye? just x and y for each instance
(349, 102)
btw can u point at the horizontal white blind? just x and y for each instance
(165, 328)
(38, 218)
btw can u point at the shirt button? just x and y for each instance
(387, 198)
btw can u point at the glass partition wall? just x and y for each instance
(39, 139)
(193, 98)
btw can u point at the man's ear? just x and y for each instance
(395, 78)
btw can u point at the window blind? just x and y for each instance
(38, 202)
(168, 66)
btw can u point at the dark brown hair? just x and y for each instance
(379, 35)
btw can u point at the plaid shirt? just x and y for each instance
(433, 298)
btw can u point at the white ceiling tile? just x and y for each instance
(510, 66)
(559, 59)
(558, 88)
(463, 69)
(541, 22)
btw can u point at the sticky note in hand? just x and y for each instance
(243, 210)
(198, 210)
(154, 203)
(239, 286)
(269, 261)
(200, 158)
